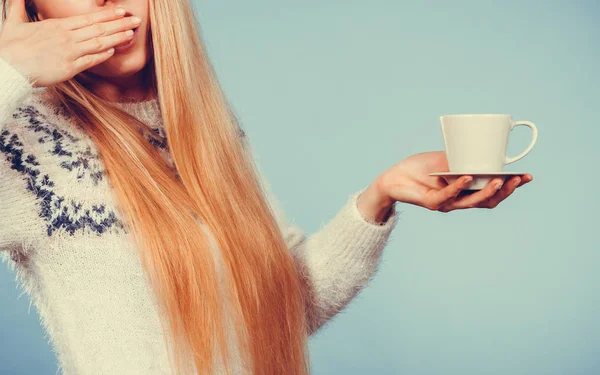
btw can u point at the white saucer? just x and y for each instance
(480, 180)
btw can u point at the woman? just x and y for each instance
(213, 279)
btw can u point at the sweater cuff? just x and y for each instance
(355, 238)
(14, 89)
(369, 232)
(354, 197)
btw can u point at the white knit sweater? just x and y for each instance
(61, 231)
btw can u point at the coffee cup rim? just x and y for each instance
(477, 115)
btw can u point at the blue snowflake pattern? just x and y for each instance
(74, 155)
(59, 212)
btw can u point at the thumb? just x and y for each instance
(16, 12)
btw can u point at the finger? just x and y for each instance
(451, 191)
(88, 61)
(83, 20)
(525, 179)
(473, 200)
(17, 12)
(104, 29)
(98, 45)
(508, 188)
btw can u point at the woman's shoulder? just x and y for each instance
(42, 113)
(53, 166)
(41, 138)
(40, 126)
(25, 159)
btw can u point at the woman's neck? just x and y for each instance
(130, 89)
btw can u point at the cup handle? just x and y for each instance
(530, 147)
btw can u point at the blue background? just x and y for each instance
(334, 92)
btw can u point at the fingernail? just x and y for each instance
(517, 182)
(467, 180)
(119, 11)
(498, 185)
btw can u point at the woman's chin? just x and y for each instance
(121, 64)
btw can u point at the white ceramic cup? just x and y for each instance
(477, 143)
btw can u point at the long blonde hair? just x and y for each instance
(218, 185)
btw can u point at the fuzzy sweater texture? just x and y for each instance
(61, 231)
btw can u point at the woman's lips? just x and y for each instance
(128, 44)
(131, 41)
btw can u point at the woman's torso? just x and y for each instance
(74, 256)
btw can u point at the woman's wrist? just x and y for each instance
(373, 205)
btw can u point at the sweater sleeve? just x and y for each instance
(339, 260)
(14, 88)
